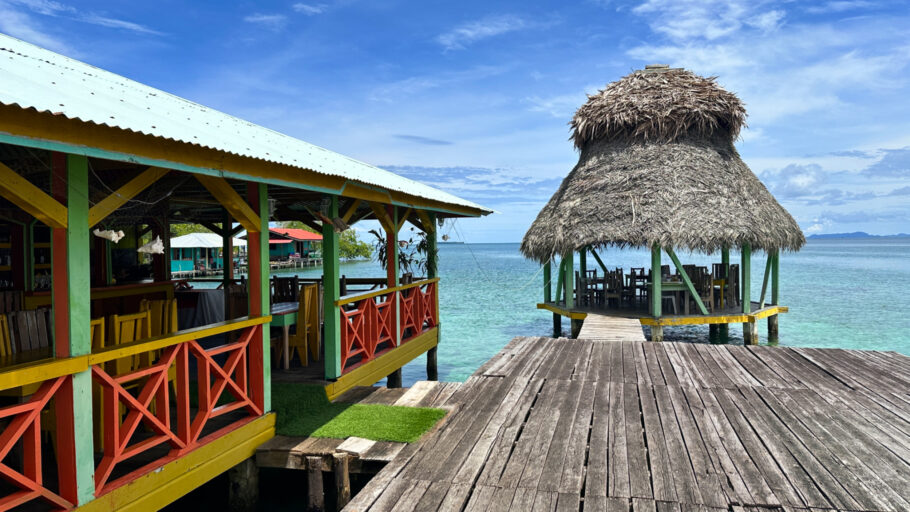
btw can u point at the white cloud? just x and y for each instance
(767, 21)
(96, 19)
(839, 6)
(471, 32)
(21, 25)
(270, 21)
(310, 9)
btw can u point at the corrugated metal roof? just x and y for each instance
(297, 234)
(32, 77)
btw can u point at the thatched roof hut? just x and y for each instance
(658, 166)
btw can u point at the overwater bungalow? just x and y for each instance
(287, 243)
(114, 401)
(200, 253)
(658, 170)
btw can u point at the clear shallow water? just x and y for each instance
(841, 293)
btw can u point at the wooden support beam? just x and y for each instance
(429, 223)
(211, 226)
(414, 219)
(745, 268)
(331, 294)
(382, 216)
(131, 189)
(599, 261)
(725, 261)
(231, 200)
(402, 218)
(687, 281)
(351, 210)
(19, 191)
(764, 282)
(775, 273)
(342, 479)
(560, 278)
(570, 279)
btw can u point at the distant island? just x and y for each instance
(858, 234)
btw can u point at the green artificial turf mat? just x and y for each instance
(304, 410)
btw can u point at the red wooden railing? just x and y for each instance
(124, 412)
(368, 320)
(24, 424)
(137, 418)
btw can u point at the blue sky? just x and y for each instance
(474, 97)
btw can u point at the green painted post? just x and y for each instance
(582, 272)
(331, 294)
(432, 266)
(393, 380)
(570, 276)
(775, 273)
(745, 268)
(655, 281)
(547, 283)
(657, 331)
(432, 248)
(764, 282)
(559, 280)
(265, 295)
(687, 281)
(599, 261)
(78, 273)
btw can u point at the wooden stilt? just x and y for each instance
(243, 489)
(432, 367)
(557, 325)
(773, 336)
(657, 333)
(315, 494)
(723, 332)
(712, 331)
(342, 479)
(750, 333)
(394, 379)
(576, 327)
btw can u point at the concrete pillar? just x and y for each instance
(243, 490)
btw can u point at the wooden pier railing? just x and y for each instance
(228, 378)
(376, 322)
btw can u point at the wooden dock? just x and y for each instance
(611, 328)
(573, 425)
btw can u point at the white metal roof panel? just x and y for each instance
(204, 240)
(33, 77)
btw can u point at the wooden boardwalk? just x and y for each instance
(611, 328)
(573, 425)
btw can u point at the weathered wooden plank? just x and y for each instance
(573, 467)
(596, 479)
(639, 476)
(659, 462)
(537, 430)
(705, 474)
(480, 498)
(683, 477)
(617, 455)
(545, 501)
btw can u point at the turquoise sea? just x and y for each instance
(841, 293)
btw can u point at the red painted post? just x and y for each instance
(63, 408)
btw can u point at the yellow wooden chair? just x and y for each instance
(126, 329)
(307, 334)
(6, 348)
(162, 321)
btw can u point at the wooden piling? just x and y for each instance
(432, 366)
(243, 489)
(750, 333)
(657, 333)
(342, 479)
(772, 330)
(557, 325)
(315, 495)
(576, 327)
(394, 379)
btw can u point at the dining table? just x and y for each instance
(284, 315)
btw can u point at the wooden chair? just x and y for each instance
(6, 348)
(733, 291)
(613, 288)
(162, 315)
(704, 286)
(306, 338)
(126, 329)
(10, 301)
(238, 301)
(285, 289)
(29, 329)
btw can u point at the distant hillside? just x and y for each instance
(858, 234)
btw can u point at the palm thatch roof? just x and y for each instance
(658, 166)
